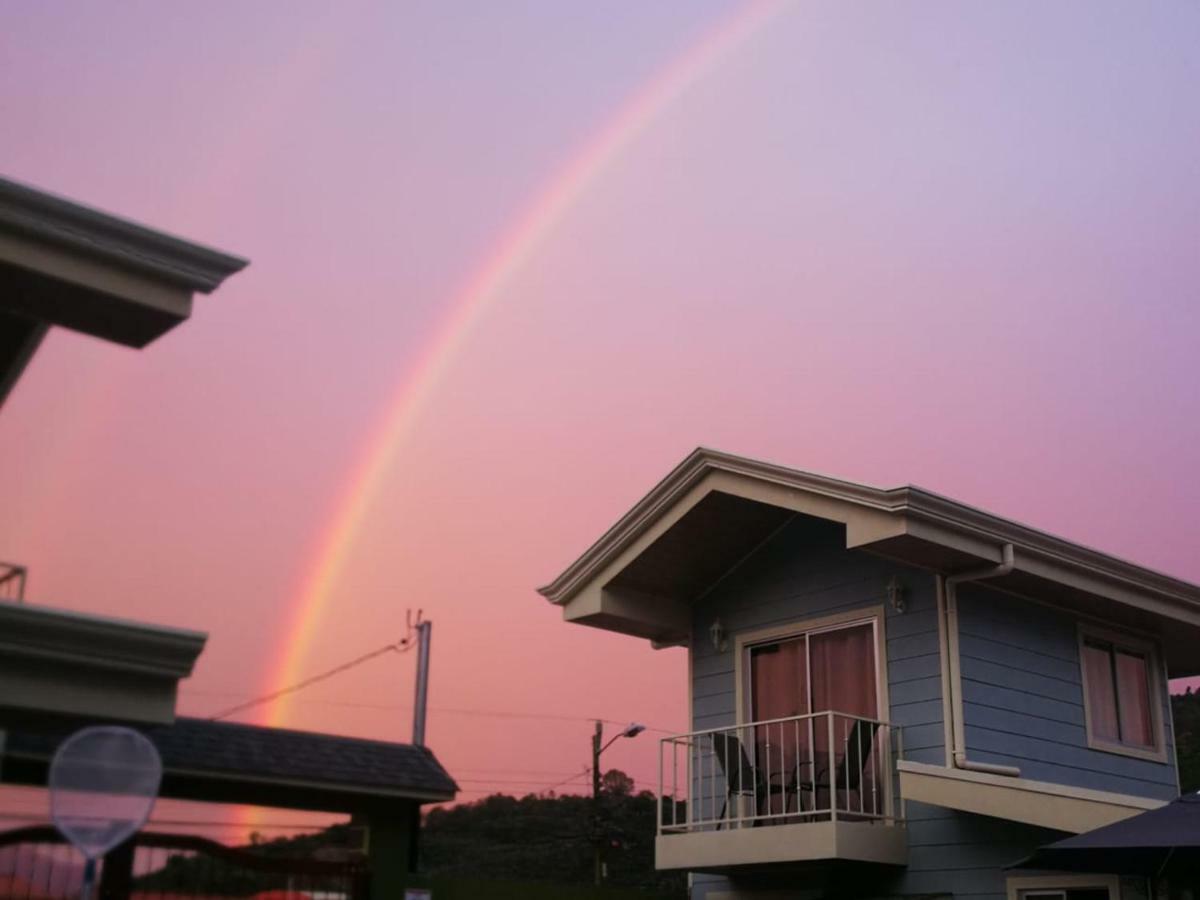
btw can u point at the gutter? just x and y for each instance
(947, 593)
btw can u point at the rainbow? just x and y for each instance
(514, 250)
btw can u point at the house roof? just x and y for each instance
(237, 763)
(66, 264)
(714, 508)
(56, 662)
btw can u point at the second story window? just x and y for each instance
(1120, 690)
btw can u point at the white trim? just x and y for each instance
(1018, 883)
(1139, 645)
(46, 217)
(949, 713)
(1042, 803)
(58, 635)
(708, 850)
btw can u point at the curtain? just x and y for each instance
(843, 681)
(779, 688)
(1133, 685)
(779, 680)
(1102, 698)
(843, 671)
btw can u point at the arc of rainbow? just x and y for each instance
(519, 242)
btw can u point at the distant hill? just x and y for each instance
(550, 838)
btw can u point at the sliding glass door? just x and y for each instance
(827, 670)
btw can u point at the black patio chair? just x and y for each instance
(859, 742)
(744, 779)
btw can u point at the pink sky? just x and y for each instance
(943, 245)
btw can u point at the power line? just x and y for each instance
(445, 710)
(399, 647)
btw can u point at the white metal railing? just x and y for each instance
(825, 766)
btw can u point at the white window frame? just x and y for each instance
(863, 615)
(872, 615)
(1155, 679)
(1019, 885)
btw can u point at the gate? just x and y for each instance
(37, 864)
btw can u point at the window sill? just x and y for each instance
(1150, 754)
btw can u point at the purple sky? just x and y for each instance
(944, 244)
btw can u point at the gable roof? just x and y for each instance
(714, 508)
(237, 763)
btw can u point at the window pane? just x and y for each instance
(1134, 686)
(1101, 698)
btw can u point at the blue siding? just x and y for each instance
(1023, 699)
(1021, 683)
(806, 571)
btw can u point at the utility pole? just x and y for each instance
(596, 737)
(424, 633)
(633, 729)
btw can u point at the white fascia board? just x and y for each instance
(43, 633)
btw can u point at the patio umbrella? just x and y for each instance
(1161, 842)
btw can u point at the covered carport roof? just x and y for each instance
(228, 762)
(714, 508)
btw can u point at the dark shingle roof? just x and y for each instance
(253, 753)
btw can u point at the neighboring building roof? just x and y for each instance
(236, 763)
(61, 662)
(63, 263)
(714, 508)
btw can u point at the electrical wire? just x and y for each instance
(399, 646)
(395, 707)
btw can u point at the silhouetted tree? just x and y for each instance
(1185, 708)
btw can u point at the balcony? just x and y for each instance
(811, 788)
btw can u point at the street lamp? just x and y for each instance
(633, 729)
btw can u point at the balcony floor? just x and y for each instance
(724, 850)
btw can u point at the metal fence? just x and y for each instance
(35, 864)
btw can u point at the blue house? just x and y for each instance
(892, 694)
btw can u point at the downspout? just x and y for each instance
(947, 586)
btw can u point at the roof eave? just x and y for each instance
(933, 513)
(32, 212)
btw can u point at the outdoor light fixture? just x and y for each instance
(895, 594)
(716, 631)
(633, 729)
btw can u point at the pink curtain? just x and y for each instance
(779, 680)
(1102, 698)
(779, 688)
(1133, 683)
(843, 671)
(843, 681)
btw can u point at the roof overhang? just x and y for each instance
(60, 664)
(713, 509)
(65, 264)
